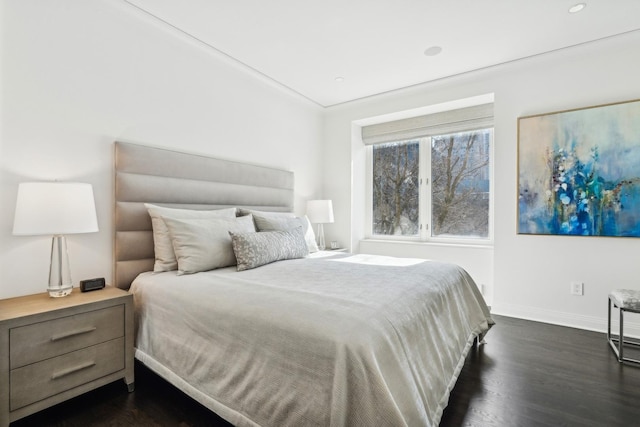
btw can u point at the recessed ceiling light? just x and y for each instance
(433, 51)
(577, 7)
(339, 79)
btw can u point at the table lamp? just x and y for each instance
(55, 208)
(320, 212)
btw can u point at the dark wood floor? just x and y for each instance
(528, 374)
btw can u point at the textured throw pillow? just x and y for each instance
(203, 244)
(255, 249)
(274, 223)
(165, 259)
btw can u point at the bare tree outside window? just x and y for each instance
(396, 193)
(457, 192)
(460, 184)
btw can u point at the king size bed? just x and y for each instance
(248, 318)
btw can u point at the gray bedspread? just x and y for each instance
(323, 341)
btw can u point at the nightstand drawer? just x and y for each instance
(43, 340)
(40, 380)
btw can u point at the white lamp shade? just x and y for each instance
(320, 211)
(52, 208)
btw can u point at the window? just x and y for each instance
(396, 189)
(460, 184)
(434, 186)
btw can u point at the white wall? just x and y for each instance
(78, 75)
(525, 276)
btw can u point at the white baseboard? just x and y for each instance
(591, 323)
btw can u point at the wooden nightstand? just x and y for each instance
(52, 349)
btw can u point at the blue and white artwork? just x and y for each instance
(579, 172)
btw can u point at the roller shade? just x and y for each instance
(442, 123)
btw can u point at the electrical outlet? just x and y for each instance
(577, 288)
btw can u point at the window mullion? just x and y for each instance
(425, 188)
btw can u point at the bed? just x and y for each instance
(320, 338)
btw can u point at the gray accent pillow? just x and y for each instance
(255, 249)
(245, 211)
(273, 223)
(165, 258)
(203, 244)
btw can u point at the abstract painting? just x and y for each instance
(579, 172)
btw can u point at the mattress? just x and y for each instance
(329, 340)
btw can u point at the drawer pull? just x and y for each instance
(73, 333)
(70, 371)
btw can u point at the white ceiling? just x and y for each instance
(378, 45)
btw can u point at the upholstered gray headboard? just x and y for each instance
(169, 178)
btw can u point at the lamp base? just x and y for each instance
(58, 291)
(60, 284)
(321, 243)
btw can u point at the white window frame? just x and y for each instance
(425, 201)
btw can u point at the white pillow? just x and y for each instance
(272, 223)
(165, 259)
(255, 249)
(203, 244)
